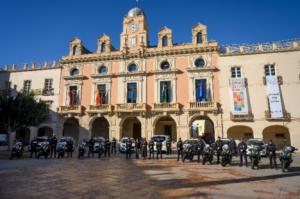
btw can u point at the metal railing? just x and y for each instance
(286, 116)
(246, 117)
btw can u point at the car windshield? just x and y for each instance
(190, 142)
(42, 139)
(160, 138)
(255, 142)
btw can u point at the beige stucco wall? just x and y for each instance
(252, 66)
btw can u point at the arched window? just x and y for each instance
(165, 41)
(103, 47)
(199, 63)
(75, 49)
(199, 38)
(165, 65)
(74, 72)
(102, 70)
(132, 67)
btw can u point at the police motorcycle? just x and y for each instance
(187, 152)
(17, 150)
(285, 157)
(81, 149)
(61, 147)
(255, 156)
(208, 154)
(43, 147)
(226, 155)
(99, 144)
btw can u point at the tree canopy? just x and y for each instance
(21, 111)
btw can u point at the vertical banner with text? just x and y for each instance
(239, 96)
(274, 97)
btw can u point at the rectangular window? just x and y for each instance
(73, 96)
(236, 72)
(270, 70)
(201, 90)
(165, 92)
(27, 86)
(131, 92)
(101, 96)
(48, 84)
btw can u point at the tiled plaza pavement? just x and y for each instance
(120, 178)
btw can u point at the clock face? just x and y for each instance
(133, 27)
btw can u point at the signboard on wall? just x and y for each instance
(239, 96)
(274, 98)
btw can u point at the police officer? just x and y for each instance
(218, 148)
(107, 148)
(70, 147)
(200, 147)
(179, 149)
(144, 149)
(271, 151)
(151, 149)
(169, 146)
(158, 149)
(128, 148)
(114, 145)
(91, 147)
(33, 147)
(137, 148)
(242, 148)
(53, 143)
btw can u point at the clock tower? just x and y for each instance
(135, 31)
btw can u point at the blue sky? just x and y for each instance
(39, 30)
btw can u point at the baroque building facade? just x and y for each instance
(185, 90)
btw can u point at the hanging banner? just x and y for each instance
(275, 105)
(239, 96)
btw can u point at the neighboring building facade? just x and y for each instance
(44, 82)
(181, 90)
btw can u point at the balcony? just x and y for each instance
(241, 118)
(131, 107)
(203, 106)
(286, 116)
(103, 108)
(70, 110)
(48, 92)
(166, 107)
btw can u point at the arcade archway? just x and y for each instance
(100, 128)
(202, 126)
(131, 127)
(280, 135)
(166, 125)
(240, 132)
(71, 128)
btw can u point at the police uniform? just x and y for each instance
(151, 149)
(137, 148)
(33, 148)
(70, 147)
(169, 147)
(128, 148)
(199, 149)
(242, 147)
(158, 149)
(53, 143)
(179, 149)
(144, 149)
(114, 146)
(271, 151)
(218, 149)
(107, 148)
(91, 146)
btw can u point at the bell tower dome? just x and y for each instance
(135, 30)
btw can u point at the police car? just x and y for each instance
(163, 139)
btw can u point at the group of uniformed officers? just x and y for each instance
(142, 147)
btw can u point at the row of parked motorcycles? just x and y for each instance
(227, 152)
